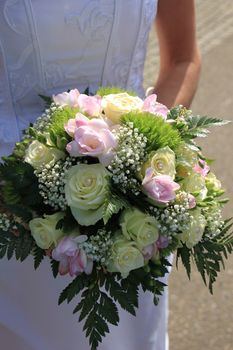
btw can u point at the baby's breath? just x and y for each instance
(52, 183)
(214, 220)
(173, 219)
(5, 223)
(98, 247)
(43, 122)
(128, 158)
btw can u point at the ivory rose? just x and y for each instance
(195, 183)
(86, 192)
(125, 256)
(44, 230)
(212, 183)
(159, 188)
(139, 227)
(162, 162)
(194, 230)
(115, 105)
(38, 155)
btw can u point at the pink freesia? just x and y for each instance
(70, 127)
(93, 139)
(73, 149)
(202, 169)
(152, 249)
(160, 188)
(67, 98)
(90, 104)
(152, 106)
(72, 259)
(74, 123)
(191, 201)
(149, 251)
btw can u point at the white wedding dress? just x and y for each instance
(48, 47)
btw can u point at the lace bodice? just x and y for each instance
(50, 46)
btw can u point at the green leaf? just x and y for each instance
(90, 297)
(112, 206)
(41, 138)
(210, 252)
(56, 128)
(96, 327)
(19, 244)
(20, 185)
(32, 132)
(73, 288)
(197, 126)
(119, 295)
(108, 310)
(185, 254)
(39, 255)
(20, 211)
(3, 251)
(48, 100)
(55, 266)
(96, 308)
(10, 250)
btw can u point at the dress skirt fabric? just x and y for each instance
(30, 318)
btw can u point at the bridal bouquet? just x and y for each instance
(106, 187)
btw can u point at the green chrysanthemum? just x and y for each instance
(103, 91)
(158, 132)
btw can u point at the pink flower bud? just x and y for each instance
(159, 188)
(202, 169)
(192, 201)
(72, 259)
(67, 98)
(90, 105)
(152, 106)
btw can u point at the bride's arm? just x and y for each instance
(179, 54)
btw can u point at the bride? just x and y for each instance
(48, 47)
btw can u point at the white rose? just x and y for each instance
(86, 191)
(125, 256)
(38, 155)
(162, 162)
(139, 227)
(44, 230)
(212, 183)
(115, 105)
(195, 183)
(194, 230)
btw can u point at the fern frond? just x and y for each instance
(19, 245)
(197, 126)
(20, 186)
(112, 206)
(209, 254)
